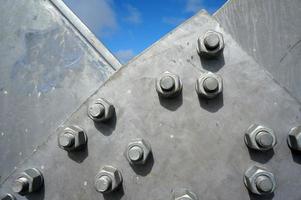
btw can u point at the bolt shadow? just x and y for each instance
(213, 64)
(107, 127)
(116, 195)
(38, 195)
(212, 105)
(144, 170)
(261, 157)
(259, 197)
(171, 103)
(296, 156)
(79, 155)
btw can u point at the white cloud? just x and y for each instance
(98, 15)
(134, 15)
(190, 6)
(124, 55)
(193, 5)
(173, 20)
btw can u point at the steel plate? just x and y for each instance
(197, 144)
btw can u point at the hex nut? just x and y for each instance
(100, 110)
(185, 195)
(294, 138)
(108, 179)
(29, 181)
(259, 181)
(138, 151)
(260, 138)
(168, 85)
(8, 197)
(209, 85)
(72, 138)
(211, 44)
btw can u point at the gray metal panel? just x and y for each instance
(48, 68)
(270, 31)
(197, 144)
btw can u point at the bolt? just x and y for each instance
(138, 151)
(264, 184)
(103, 184)
(29, 181)
(260, 138)
(66, 140)
(135, 153)
(211, 41)
(108, 179)
(72, 138)
(8, 197)
(294, 138)
(21, 185)
(259, 181)
(167, 83)
(264, 139)
(100, 110)
(211, 44)
(97, 110)
(210, 84)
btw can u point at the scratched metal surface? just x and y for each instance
(47, 69)
(196, 144)
(270, 31)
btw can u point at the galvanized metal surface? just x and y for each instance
(197, 144)
(269, 31)
(47, 69)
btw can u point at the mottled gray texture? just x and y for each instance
(47, 69)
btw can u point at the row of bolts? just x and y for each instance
(257, 179)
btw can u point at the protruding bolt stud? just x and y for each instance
(29, 181)
(259, 181)
(264, 139)
(211, 44)
(184, 194)
(103, 184)
(100, 110)
(72, 138)
(294, 139)
(211, 41)
(169, 85)
(209, 85)
(138, 152)
(96, 110)
(264, 184)
(8, 197)
(108, 179)
(66, 140)
(21, 185)
(135, 153)
(260, 138)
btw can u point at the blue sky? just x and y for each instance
(127, 27)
